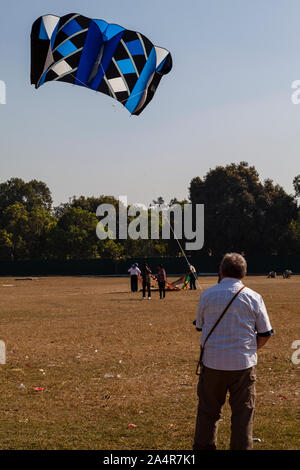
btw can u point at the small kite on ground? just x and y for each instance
(104, 57)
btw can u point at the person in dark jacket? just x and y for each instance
(161, 279)
(145, 273)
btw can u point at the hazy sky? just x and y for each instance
(227, 99)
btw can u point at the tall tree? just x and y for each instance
(89, 204)
(296, 183)
(31, 194)
(241, 213)
(27, 230)
(74, 235)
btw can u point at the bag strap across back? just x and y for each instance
(215, 325)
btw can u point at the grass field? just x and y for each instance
(65, 335)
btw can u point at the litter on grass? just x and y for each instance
(111, 376)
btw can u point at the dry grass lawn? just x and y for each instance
(65, 334)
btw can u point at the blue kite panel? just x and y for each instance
(72, 28)
(135, 47)
(43, 33)
(126, 66)
(112, 30)
(109, 50)
(92, 46)
(102, 25)
(66, 48)
(54, 36)
(140, 85)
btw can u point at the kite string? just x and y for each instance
(180, 246)
(175, 236)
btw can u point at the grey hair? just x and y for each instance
(234, 265)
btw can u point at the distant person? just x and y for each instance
(287, 274)
(272, 274)
(134, 273)
(193, 277)
(146, 279)
(229, 354)
(161, 279)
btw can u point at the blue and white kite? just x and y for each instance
(104, 57)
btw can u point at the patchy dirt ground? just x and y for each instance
(105, 359)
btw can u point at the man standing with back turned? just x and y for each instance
(229, 354)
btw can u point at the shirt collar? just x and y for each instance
(231, 280)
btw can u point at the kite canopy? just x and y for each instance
(104, 57)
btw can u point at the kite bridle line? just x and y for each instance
(180, 246)
(110, 94)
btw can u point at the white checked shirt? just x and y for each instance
(233, 344)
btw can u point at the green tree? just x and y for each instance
(89, 204)
(74, 235)
(31, 194)
(28, 230)
(159, 201)
(6, 245)
(16, 221)
(243, 214)
(111, 249)
(25, 218)
(296, 184)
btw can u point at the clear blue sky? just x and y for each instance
(227, 99)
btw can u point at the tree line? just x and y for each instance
(242, 214)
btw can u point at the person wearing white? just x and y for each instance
(234, 345)
(134, 273)
(230, 355)
(193, 277)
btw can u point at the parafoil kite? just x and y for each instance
(104, 57)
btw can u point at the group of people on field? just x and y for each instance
(145, 274)
(286, 274)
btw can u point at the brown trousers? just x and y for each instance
(212, 389)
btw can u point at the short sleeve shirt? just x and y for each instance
(233, 344)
